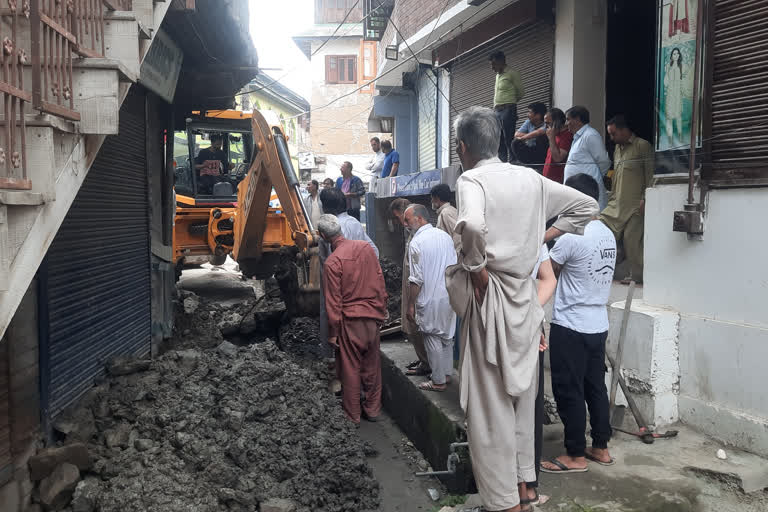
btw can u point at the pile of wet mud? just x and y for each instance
(393, 277)
(215, 429)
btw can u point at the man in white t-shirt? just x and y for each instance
(584, 267)
(377, 160)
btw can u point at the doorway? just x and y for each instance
(631, 64)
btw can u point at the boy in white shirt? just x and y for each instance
(584, 267)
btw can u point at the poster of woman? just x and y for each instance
(675, 73)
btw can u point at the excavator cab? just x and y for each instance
(237, 194)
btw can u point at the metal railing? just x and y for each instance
(59, 32)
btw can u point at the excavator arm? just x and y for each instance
(271, 167)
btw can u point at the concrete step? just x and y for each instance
(432, 421)
(96, 85)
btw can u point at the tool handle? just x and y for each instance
(620, 345)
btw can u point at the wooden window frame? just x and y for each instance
(332, 75)
(364, 78)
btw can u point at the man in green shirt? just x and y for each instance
(633, 173)
(508, 91)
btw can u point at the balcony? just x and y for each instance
(42, 40)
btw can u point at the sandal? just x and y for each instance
(419, 371)
(413, 364)
(430, 386)
(562, 468)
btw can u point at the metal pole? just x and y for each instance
(696, 101)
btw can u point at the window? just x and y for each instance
(341, 69)
(368, 65)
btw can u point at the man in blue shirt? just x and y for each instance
(531, 142)
(391, 160)
(588, 155)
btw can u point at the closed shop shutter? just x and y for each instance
(98, 266)
(529, 49)
(739, 134)
(426, 89)
(6, 469)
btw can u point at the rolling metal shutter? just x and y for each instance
(739, 135)
(98, 266)
(426, 88)
(529, 49)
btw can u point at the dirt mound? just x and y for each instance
(301, 337)
(226, 428)
(393, 277)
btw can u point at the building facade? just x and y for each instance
(267, 94)
(342, 65)
(697, 336)
(86, 218)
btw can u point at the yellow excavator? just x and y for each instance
(240, 197)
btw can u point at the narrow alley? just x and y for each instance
(383, 256)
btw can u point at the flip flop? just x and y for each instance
(429, 386)
(413, 364)
(592, 458)
(563, 468)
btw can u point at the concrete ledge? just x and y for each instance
(432, 421)
(729, 426)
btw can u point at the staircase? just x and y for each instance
(65, 69)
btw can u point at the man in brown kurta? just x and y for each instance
(503, 210)
(625, 212)
(356, 303)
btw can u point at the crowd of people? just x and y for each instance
(562, 144)
(533, 222)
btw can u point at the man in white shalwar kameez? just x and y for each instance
(503, 210)
(430, 253)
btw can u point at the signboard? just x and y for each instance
(418, 184)
(675, 73)
(161, 67)
(376, 15)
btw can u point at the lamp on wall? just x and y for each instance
(391, 53)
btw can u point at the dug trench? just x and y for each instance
(235, 414)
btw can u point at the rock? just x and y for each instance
(278, 505)
(188, 359)
(227, 349)
(127, 366)
(191, 304)
(86, 495)
(433, 494)
(721, 454)
(423, 464)
(118, 437)
(78, 425)
(230, 323)
(57, 488)
(43, 464)
(143, 445)
(248, 325)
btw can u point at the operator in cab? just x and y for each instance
(212, 162)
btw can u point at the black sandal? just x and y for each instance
(413, 364)
(419, 371)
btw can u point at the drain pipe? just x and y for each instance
(690, 220)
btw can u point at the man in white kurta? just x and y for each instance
(503, 210)
(430, 253)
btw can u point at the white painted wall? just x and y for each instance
(720, 277)
(580, 39)
(719, 284)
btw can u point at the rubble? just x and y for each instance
(301, 337)
(393, 277)
(225, 428)
(56, 489)
(42, 464)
